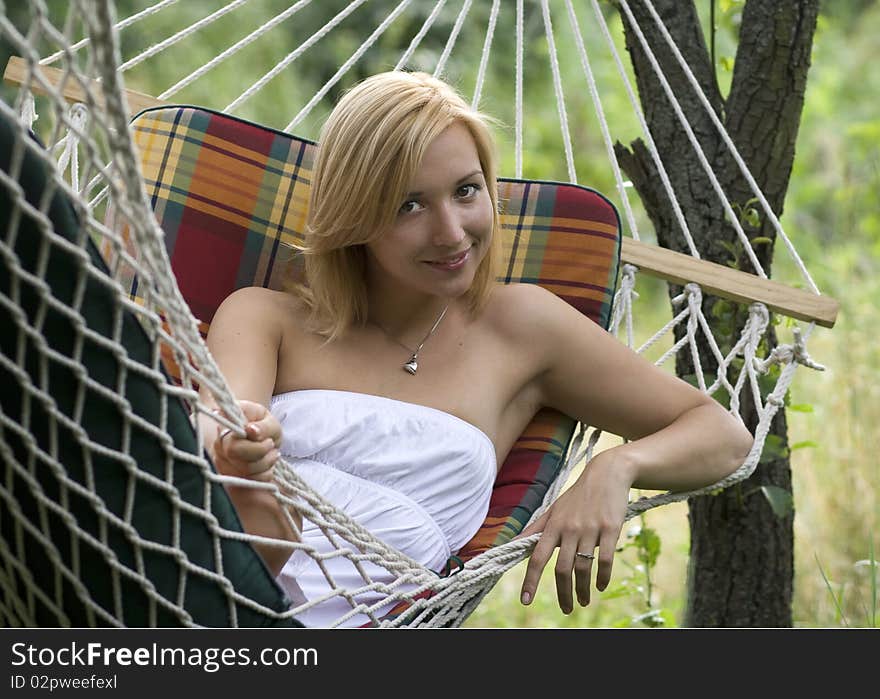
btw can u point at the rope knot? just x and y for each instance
(759, 312)
(79, 115)
(29, 110)
(693, 293)
(77, 120)
(786, 354)
(628, 280)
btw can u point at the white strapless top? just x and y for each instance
(418, 478)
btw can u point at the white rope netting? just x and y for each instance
(91, 160)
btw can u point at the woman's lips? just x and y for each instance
(450, 263)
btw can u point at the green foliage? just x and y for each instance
(648, 545)
(870, 582)
(781, 501)
(645, 542)
(774, 448)
(807, 443)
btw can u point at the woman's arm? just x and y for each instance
(244, 339)
(679, 439)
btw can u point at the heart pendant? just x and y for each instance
(412, 366)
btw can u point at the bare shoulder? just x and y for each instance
(528, 312)
(259, 300)
(245, 337)
(259, 309)
(255, 314)
(511, 304)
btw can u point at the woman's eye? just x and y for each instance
(468, 190)
(408, 206)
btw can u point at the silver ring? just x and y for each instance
(588, 556)
(223, 434)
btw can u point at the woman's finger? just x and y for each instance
(262, 469)
(266, 427)
(537, 561)
(262, 424)
(565, 561)
(607, 547)
(252, 411)
(235, 448)
(583, 566)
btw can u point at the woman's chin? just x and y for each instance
(454, 288)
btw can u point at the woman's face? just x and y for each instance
(443, 227)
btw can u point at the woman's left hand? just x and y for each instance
(587, 516)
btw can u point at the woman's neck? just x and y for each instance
(404, 316)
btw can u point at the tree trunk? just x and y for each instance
(741, 557)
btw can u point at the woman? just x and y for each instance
(400, 378)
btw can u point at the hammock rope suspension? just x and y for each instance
(234, 49)
(732, 149)
(649, 140)
(557, 89)
(453, 37)
(345, 67)
(417, 39)
(484, 55)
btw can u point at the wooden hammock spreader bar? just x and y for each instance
(729, 283)
(16, 73)
(659, 262)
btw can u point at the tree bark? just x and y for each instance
(741, 556)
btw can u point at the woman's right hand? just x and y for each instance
(253, 455)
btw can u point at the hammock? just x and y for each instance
(112, 514)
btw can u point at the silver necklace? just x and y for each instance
(412, 366)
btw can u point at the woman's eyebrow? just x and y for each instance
(478, 171)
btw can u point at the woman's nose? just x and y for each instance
(448, 229)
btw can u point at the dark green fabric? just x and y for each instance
(150, 511)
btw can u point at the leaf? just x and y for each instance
(781, 501)
(752, 217)
(767, 382)
(801, 407)
(732, 248)
(721, 309)
(649, 546)
(616, 592)
(803, 445)
(761, 240)
(727, 63)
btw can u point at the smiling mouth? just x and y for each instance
(449, 263)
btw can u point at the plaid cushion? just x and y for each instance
(235, 194)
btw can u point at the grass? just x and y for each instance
(837, 482)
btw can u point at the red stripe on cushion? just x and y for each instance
(256, 137)
(572, 202)
(205, 260)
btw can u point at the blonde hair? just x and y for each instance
(368, 152)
